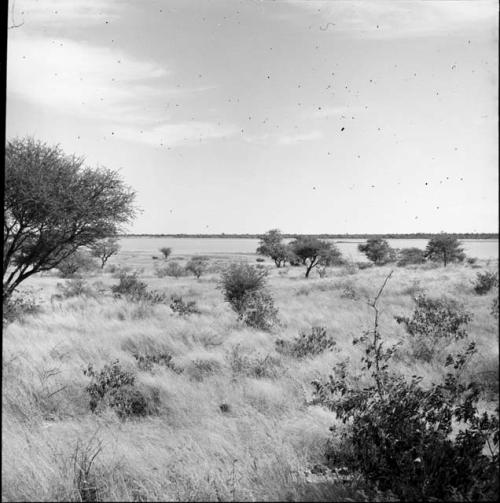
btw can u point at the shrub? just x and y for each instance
(19, 305)
(135, 290)
(183, 308)
(77, 263)
(259, 311)
(166, 252)
(260, 367)
(199, 369)
(364, 265)
(147, 361)
(408, 256)
(445, 248)
(197, 266)
(174, 269)
(436, 318)
(237, 281)
(485, 282)
(378, 251)
(75, 287)
(348, 292)
(399, 435)
(494, 308)
(307, 344)
(260, 259)
(471, 260)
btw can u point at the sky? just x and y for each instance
(242, 116)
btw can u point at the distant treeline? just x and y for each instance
(417, 235)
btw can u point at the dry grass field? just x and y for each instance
(231, 416)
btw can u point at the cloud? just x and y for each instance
(171, 134)
(298, 138)
(399, 18)
(42, 13)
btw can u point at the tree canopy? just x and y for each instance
(271, 245)
(445, 248)
(54, 205)
(378, 251)
(313, 252)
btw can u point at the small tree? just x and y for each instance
(313, 252)
(378, 251)
(77, 263)
(445, 248)
(166, 252)
(53, 205)
(271, 245)
(197, 266)
(104, 249)
(408, 256)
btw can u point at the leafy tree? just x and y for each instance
(104, 249)
(378, 251)
(313, 252)
(408, 256)
(197, 265)
(166, 252)
(54, 205)
(272, 246)
(445, 248)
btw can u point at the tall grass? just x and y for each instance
(262, 446)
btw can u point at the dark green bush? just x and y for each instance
(76, 264)
(399, 435)
(410, 256)
(166, 252)
(485, 281)
(19, 305)
(494, 307)
(183, 308)
(307, 344)
(378, 251)
(259, 366)
(239, 280)
(197, 265)
(259, 310)
(135, 290)
(147, 361)
(172, 269)
(75, 287)
(115, 387)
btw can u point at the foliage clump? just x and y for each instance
(19, 305)
(104, 249)
(75, 287)
(307, 344)
(147, 361)
(166, 252)
(410, 256)
(378, 251)
(115, 387)
(76, 264)
(258, 366)
(172, 269)
(399, 435)
(485, 281)
(197, 265)
(182, 308)
(271, 245)
(314, 252)
(444, 248)
(135, 290)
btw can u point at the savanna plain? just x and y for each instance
(225, 413)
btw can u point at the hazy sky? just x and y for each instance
(241, 116)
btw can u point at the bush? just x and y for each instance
(259, 367)
(75, 287)
(494, 308)
(166, 252)
(399, 435)
(260, 259)
(364, 265)
(237, 281)
(197, 266)
(19, 305)
(173, 269)
(147, 361)
(485, 282)
(307, 344)
(183, 308)
(199, 369)
(259, 311)
(76, 264)
(348, 292)
(436, 318)
(378, 251)
(136, 291)
(409, 256)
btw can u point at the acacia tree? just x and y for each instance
(271, 245)
(445, 248)
(54, 205)
(313, 252)
(104, 249)
(378, 251)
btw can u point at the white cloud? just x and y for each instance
(170, 134)
(42, 13)
(297, 138)
(81, 79)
